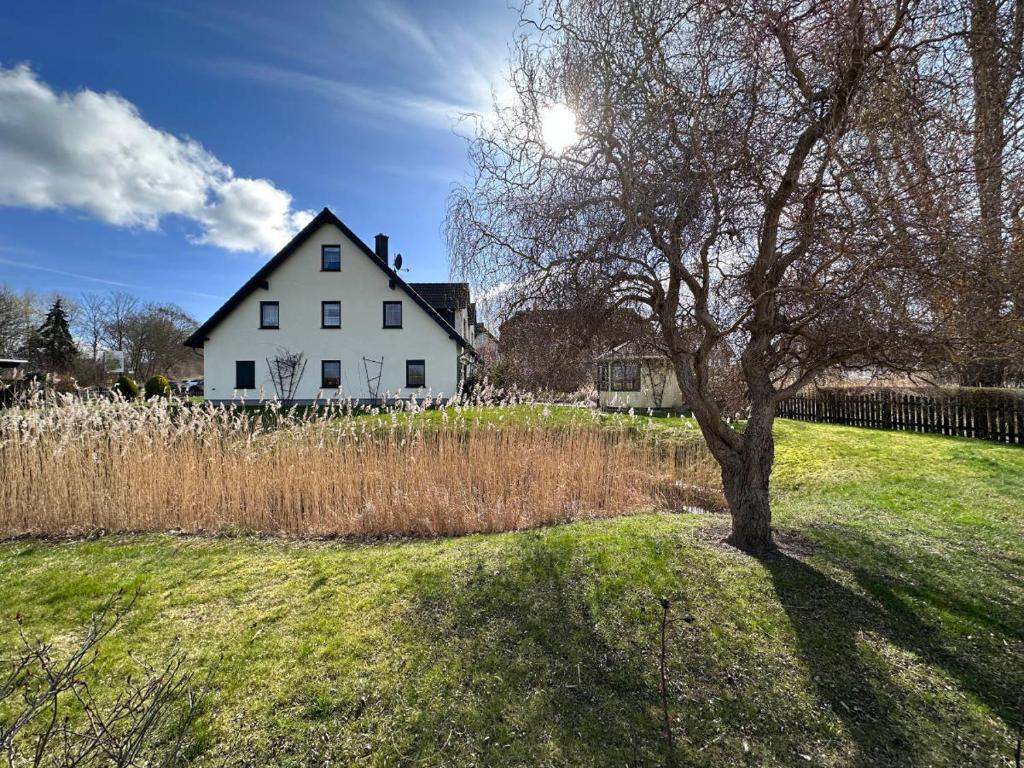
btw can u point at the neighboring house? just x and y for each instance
(631, 376)
(451, 302)
(485, 343)
(328, 317)
(553, 349)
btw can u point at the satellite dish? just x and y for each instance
(398, 262)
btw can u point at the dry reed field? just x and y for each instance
(73, 467)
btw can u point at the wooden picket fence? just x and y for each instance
(986, 414)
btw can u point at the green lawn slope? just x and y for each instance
(889, 632)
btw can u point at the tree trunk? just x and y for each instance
(746, 460)
(745, 482)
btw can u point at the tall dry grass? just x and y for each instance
(74, 467)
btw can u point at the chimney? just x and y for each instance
(380, 247)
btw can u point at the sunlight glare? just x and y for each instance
(558, 127)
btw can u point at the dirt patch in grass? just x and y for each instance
(788, 543)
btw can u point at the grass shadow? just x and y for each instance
(874, 659)
(526, 657)
(973, 609)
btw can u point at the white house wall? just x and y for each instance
(299, 285)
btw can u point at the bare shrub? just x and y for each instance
(81, 467)
(50, 716)
(286, 370)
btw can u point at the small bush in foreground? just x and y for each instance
(157, 386)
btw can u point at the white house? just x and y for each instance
(632, 376)
(329, 317)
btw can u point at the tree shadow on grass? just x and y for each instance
(546, 653)
(531, 676)
(869, 659)
(543, 651)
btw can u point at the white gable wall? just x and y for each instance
(361, 287)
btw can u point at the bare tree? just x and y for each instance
(723, 182)
(153, 339)
(965, 165)
(90, 327)
(19, 314)
(91, 322)
(972, 164)
(554, 348)
(121, 308)
(994, 40)
(146, 723)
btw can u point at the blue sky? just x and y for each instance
(167, 149)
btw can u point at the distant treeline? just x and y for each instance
(149, 334)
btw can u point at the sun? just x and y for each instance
(558, 127)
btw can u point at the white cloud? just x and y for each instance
(93, 152)
(494, 291)
(244, 211)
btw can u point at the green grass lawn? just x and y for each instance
(892, 634)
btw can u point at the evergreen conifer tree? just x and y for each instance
(51, 347)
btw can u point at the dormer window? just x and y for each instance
(330, 258)
(270, 314)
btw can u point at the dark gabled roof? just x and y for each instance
(259, 280)
(443, 295)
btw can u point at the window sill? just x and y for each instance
(270, 328)
(330, 327)
(392, 327)
(330, 270)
